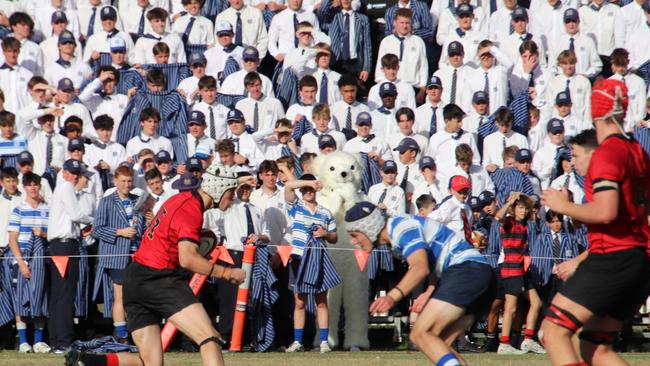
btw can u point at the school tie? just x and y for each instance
(503, 142)
(557, 248)
(405, 179)
(348, 119)
(571, 45)
(256, 117)
(91, 23)
(466, 229)
(48, 151)
(322, 99)
(493, 6)
(238, 30)
(346, 37)
(188, 30)
(196, 143)
(250, 229)
(567, 180)
(295, 29)
(486, 85)
(401, 46)
(433, 126)
(531, 80)
(568, 91)
(454, 80)
(213, 128)
(235, 140)
(382, 197)
(141, 23)
(512, 27)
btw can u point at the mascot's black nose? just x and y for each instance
(344, 174)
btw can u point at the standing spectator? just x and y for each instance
(68, 65)
(496, 142)
(576, 84)
(492, 71)
(428, 116)
(260, 111)
(464, 33)
(234, 83)
(520, 33)
(99, 42)
(606, 23)
(193, 28)
(636, 108)
(224, 55)
(502, 21)
(22, 28)
(248, 25)
(390, 66)
(283, 28)
(11, 144)
(456, 78)
(14, 77)
(387, 194)
(143, 51)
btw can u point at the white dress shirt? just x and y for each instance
(435, 189)
(393, 199)
(470, 41)
(339, 112)
(78, 71)
(220, 112)
(448, 24)
(217, 57)
(234, 84)
(277, 221)
(442, 148)
(607, 26)
(547, 22)
(99, 42)
(449, 213)
(636, 45)
(85, 12)
(519, 81)
(13, 81)
(405, 95)
(498, 90)
(37, 145)
(131, 13)
(6, 208)
(580, 90)
(637, 94)
(50, 51)
(43, 20)
(368, 144)
(384, 124)
(111, 153)
(423, 116)
(65, 213)
(232, 223)
(269, 111)
(544, 162)
(589, 63)
(578, 192)
(500, 23)
(413, 68)
(309, 142)
(282, 33)
(494, 143)
(112, 105)
(634, 17)
(155, 143)
(143, 50)
(463, 86)
(333, 94)
(478, 177)
(246, 145)
(394, 139)
(253, 31)
(30, 57)
(510, 46)
(202, 30)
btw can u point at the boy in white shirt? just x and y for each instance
(479, 113)
(321, 117)
(496, 142)
(234, 83)
(99, 41)
(346, 110)
(196, 125)
(390, 66)
(223, 50)
(303, 109)
(409, 176)
(247, 152)
(387, 195)
(67, 65)
(431, 186)
(477, 175)
(192, 27)
(405, 120)
(143, 47)
(578, 87)
(454, 212)
(149, 138)
(189, 87)
(104, 154)
(215, 113)
(328, 92)
(428, 116)
(545, 158)
(562, 110)
(365, 142)
(260, 111)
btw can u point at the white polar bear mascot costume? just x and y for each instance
(340, 174)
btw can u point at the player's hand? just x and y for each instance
(363, 76)
(280, 56)
(24, 269)
(382, 305)
(127, 232)
(319, 232)
(565, 269)
(382, 206)
(240, 159)
(422, 300)
(39, 232)
(236, 276)
(555, 199)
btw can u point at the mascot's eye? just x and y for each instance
(332, 168)
(351, 167)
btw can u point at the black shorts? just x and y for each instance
(470, 285)
(116, 275)
(610, 284)
(294, 264)
(151, 295)
(515, 285)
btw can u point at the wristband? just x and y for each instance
(400, 291)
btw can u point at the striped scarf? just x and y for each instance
(380, 259)
(519, 108)
(644, 72)
(81, 293)
(174, 74)
(484, 130)
(494, 244)
(300, 129)
(29, 296)
(229, 100)
(264, 293)
(287, 90)
(231, 66)
(642, 135)
(316, 272)
(106, 344)
(212, 8)
(370, 174)
(296, 159)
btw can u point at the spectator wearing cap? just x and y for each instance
(248, 25)
(326, 144)
(449, 21)
(148, 137)
(163, 161)
(22, 28)
(465, 166)
(346, 110)
(568, 180)
(108, 26)
(606, 23)
(248, 155)
(143, 51)
(463, 32)
(408, 172)
(215, 113)
(119, 56)
(25, 164)
(366, 142)
(194, 166)
(496, 142)
(636, 88)
(456, 77)
(383, 118)
(520, 22)
(428, 116)
(205, 154)
(192, 27)
(351, 40)
(442, 145)
(104, 154)
(387, 194)
(260, 111)
(453, 211)
(491, 75)
(90, 14)
(321, 118)
(68, 65)
(577, 85)
(224, 53)
(523, 163)
(13, 76)
(46, 145)
(432, 185)
(639, 54)
(234, 83)
(65, 98)
(49, 13)
(66, 216)
(510, 179)
(528, 75)
(189, 87)
(562, 110)
(405, 120)
(546, 157)
(501, 22)
(283, 28)
(390, 66)
(584, 46)
(409, 48)
(479, 114)
(77, 150)
(100, 97)
(50, 41)
(196, 125)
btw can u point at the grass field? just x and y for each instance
(396, 358)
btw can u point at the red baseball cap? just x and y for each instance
(458, 182)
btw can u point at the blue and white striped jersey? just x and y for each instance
(24, 217)
(303, 218)
(444, 247)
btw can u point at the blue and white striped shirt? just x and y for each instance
(444, 247)
(303, 218)
(14, 146)
(24, 218)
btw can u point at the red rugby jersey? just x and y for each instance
(514, 243)
(180, 218)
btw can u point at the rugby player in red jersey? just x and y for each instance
(610, 280)
(155, 287)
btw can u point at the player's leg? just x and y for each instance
(455, 330)
(535, 304)
(322, 314)
(119, 319)
(596, 342)
(509, 310)
(563, 319)
(493, 324)
(194, 322)
(147, 339)
(300, 303)
(434, 319)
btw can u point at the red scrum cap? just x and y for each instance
(608, 98)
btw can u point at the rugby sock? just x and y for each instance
(448, 360)
(529, 333)
(491, 335)
(120, 330)
(297, 335)
(324, 333)
(90, 359)
(22, 332)
(504, 340)
(38, 335)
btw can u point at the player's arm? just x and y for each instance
(501, 214)
(603, 209)
(190, 259)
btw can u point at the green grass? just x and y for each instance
(396, 358)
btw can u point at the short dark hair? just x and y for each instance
(8, 172)
(586, 139)
(157, 13)
(347, 79)
(252, 77)
(405, 111)
(31, 177)
(404, 13)
(160, 47)
(307, 81)
(110, 69)
(103, 122)
(424, 200)
(156, 77)
(20, 17)
(268, 166)
(389, 61)
(550, 215)
(7, 118)
(452, 111)
(226, 146)
(207, 82)
(504, 116)
(149, 112)
(620, 57)
(530, 46)
(305, 157)
(152, 174)
(10, 43)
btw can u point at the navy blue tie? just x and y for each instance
(238, 30)
(250, 229)
(188, 30)
(141, 24)
(323, 90)
(295, 29)
(346, 37)
(454, 80)
(401, 46)
(433, 127)
(493, 6)
(91, 23)
(571, 45)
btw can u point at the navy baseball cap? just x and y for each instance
(389, 166)
(464, 9)
(455, 48)
(196, 118)
(519, 14)
(117, 44)
(66, 37)
(25, 157)
(235, 115)
(486, 197)
(364, 119)
(197, 59)
(162, 157)
(480, 97)
(186, 182)
(407, 143)
(73, 166)
(326, 140)
(427, 162)
(387, 88)
(555, 125)
(108, 13)
(434, 81)
(563, 98)
(250, 53)
(193, 164)
(223, 27)
(76, 144)
(65, 85)
(571, 15)
(475, 203)
(58, 17)
(523, 155)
